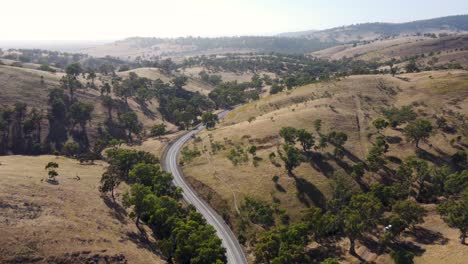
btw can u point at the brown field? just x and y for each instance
(65, 223)
(348, 105)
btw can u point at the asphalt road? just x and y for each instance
(234, 252)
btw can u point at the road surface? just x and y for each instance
(234, 252)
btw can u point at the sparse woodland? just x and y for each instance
(368, 195)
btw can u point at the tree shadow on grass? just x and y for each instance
(280, 188)
(408, 246)
(318, 162)
(141, 239)
(425, 155)
(118, 212)
(308, 192)
(427, 237)
(351, 156)
(327, 249)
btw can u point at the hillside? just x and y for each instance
(65, 223)
(179, 48)
(442, 51)
(371, 31)
(30, 86)
(193, 84)
(348, 105)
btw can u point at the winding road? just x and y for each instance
(234, 252)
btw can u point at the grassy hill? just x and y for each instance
(179, 48)
(65, 223)
(370, 31)
(32, 87)
(193, 84)
(347, 105)
(446, 50)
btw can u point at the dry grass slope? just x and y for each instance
(348, 105)
(64, 223)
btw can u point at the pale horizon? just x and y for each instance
(105, 20)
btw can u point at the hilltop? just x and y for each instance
(179, 48)
(427, 51)
(371, 31)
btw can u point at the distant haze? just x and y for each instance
(116, 19)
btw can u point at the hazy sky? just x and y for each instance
(116, 19)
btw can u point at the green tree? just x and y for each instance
(151, 175)
(276, 88)
(74, 69)
(415, 172)
(289, 134)
(179, 81)
(380, 123)
(51, 170)
(456, 182)
(70, 82)
(411, 67)
(158, 130)
(410, 212)
(129, 121)
(283, 245)
(418, 130)
(196, 242)
(135, 198)
(306, 139)
(109, 181)
(70, 149)
(91, 76)
(105, 89)
(454, 213)
(80, 113)
(360, 216)
(291, 157)
(209, 119)
(109, 104)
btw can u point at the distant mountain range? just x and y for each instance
(287, 43)
(369, 31)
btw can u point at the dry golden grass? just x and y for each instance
(383, 50)
(64, 223)
(225, 75)
(347, 105)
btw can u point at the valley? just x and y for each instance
(340, 145)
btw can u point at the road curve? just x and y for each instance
(234, 252)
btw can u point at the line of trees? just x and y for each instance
(183, 234)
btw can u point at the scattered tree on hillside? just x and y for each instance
(158, 130)
(398, 116)
(289, 134)
(418, 130)
(360, 216)
(109, 104)
(51, 170)
(209, 119)
(454, 213)
(380, 123)
(129, 121)
(411, 213)
(291, 157)
(306, 139)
